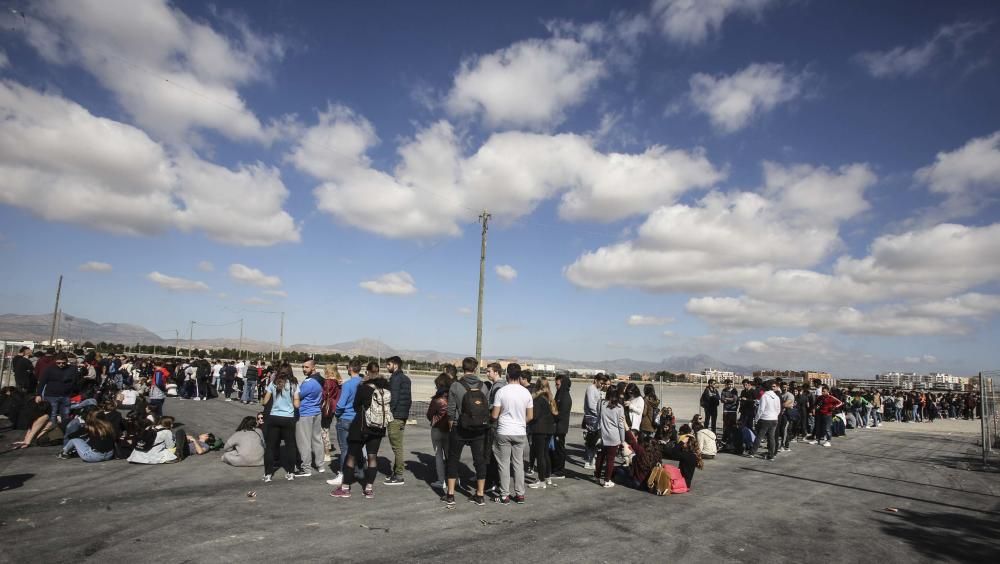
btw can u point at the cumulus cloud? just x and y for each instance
(62, 163)
(464, 311)
(94, 266)
(734, 240)
(692, 22)
(506, 272)
(171, 73)
(967, 177)
(432, 188)
(247, 275)
(528, 84)
(206, 266)
(732, 101)
(392, 283)
(176, 284)
(807, 343)
(908, 61)
(638, 320)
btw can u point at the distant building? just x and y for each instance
(711, 374)
(796, 376)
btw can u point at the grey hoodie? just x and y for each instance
(457, 392)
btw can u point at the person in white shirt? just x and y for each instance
(216, 375)
(635, 406)
(768, 410)
(512, 409)
(706, 440)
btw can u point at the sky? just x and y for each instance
(792, 184)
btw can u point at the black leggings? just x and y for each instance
(279, 429)
(543, 465)
(354, 453)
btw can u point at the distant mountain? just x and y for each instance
(69, 327)
(37, 328)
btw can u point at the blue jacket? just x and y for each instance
(345, 405)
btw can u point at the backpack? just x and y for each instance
(379, 414)
(666, 479)
(475, 412)
(146, 439)
(677, 483)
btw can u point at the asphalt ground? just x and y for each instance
(814, 504)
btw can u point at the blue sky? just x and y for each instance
(789, 184)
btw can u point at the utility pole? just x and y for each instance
(241, 339)
(55, 314)
(281, 338)
(484, 218)
(190, 339)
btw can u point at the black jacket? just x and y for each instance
(564, 401)
(58, 382)
(544, 422)
(399, 387)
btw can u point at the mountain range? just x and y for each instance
(78, 329)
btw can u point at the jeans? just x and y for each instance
(396, 428)
(157, 406)
(711, 418)
(543, 464)
(508, 450)
(823, 423)
(439, 439)
(767, 428)
(279, 429)
(309, 440)
(60, 407)
(72, 427)
(457, 439)
(606, 462)
(559, 454)
(874, 417)
(590, 436)
(87, 454)
(784, 432)
(343, 426)
(248, 390)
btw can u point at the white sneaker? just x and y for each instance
(812, 442)
(548, 482)
(267, 477)
(320, 470)
(289, 477)
(826, 443)
(609, 484)
(337, 480)
(196, 399)
(537, 485)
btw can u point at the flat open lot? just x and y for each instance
(813, 505)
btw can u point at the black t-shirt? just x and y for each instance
(101, 444)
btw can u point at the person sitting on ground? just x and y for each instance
(245, 447)
(646, 457)
(34, 418)
(155, 445)
(202, 443)
(689, 458)
(706, 441)
(97, 444)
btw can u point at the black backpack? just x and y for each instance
(475, 411)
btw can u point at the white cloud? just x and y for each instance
(94, 266)
(908, 61)
(256, 301)
(968, 177)
(807, 343)
(925, 359)
(433, 187)
(62, 163)
(393, 283)
(732, 101)
(529, 84)
(253, 276)
(691, 22)
(206, 266)
(171, 73)
(464, 311)
(638, 320)
(175, 284)
(506, 272)
(278, 293)
(733, 240)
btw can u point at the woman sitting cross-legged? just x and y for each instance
(97, 445)
(245, 447)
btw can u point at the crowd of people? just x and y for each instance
(514, 425)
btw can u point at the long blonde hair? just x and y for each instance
(330, 371)
(542, 389)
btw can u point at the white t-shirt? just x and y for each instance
(128, 397)
(636, 406)
(514, 402)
